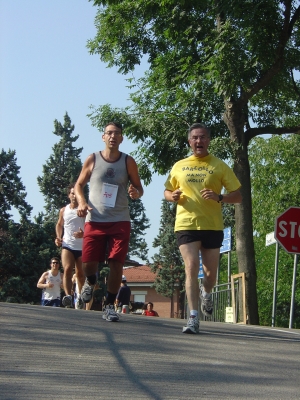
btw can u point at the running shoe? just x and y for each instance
(79, 305)
(192, 325)
(110, 315)
(87, 292)
(207, 305)
(67, 301)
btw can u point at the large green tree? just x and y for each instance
(168, 263)
(61, 169)
(25, 252)
(228, 63)
(25, 247)
(275, 177)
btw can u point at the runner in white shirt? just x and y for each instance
(69, 234)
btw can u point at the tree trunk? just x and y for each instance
(234, 118)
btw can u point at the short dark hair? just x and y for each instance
(116, 124)
(198, 125)
(54, 259)
(149, 302)
(70, 187)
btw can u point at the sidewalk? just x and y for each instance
(55, 353)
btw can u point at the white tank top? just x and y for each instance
(54, 292)
(72, 223)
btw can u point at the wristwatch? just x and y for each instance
(220, 198)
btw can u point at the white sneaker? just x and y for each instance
(79, 304)
(110, 315)
(87, 292)
(192, 325)
(207, 305)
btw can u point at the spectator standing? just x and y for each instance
(124, 293)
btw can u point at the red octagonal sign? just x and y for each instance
(287, 230)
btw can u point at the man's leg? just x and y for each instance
(118, 241)
(190, 255)
(68, 263)
(210, 260)
(115, 276)
(90, 270)
(79, 273)
(113, 285)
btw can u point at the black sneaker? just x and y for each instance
(87, 292)
(207, 305)
(67, 301)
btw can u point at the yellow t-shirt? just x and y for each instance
(191, 175)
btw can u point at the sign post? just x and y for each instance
(270, 239)
(287, 233)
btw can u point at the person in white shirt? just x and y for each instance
(69, 234)
(51, 283)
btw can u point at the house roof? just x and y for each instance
(141, 273)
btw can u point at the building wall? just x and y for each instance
(161, 304)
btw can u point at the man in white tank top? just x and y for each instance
(107, 227)
(69, 234)
(51, 283)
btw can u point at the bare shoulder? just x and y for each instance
(44, 275)
(89, 160)
(130, 160)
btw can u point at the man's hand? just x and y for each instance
(133, 192)
(83, 209)
(176, 195)
(58, 241)
(78, 234)
(209, 194)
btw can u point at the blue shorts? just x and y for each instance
(76, 253)
(208, 239)
(51, 303)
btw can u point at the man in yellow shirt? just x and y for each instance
(195, 183)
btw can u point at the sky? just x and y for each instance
(46, 71)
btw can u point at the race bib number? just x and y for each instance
(109, 194)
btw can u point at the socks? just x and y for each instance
(110, 298)
(205, 294)
(194, 313)
(91, 279)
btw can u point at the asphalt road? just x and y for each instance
(55, 353)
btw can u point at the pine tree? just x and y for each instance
(139, 222)
(168, 264)
(12, 190)
(61, 169)
(25, 247)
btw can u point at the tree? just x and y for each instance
(25, 252)
(12, 190)
(275, 174)
(168, 264)
(229, 64)
(25, 247)
(139, 222)
(61, 169)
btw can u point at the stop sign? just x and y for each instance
(287, 230)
